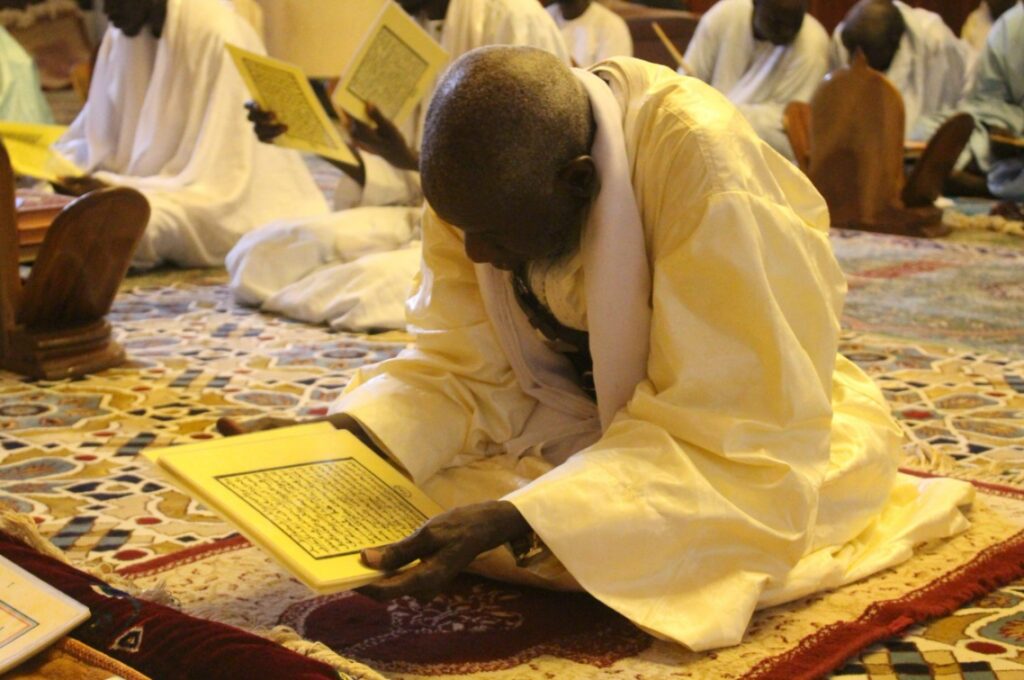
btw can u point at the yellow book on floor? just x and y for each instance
(311, 495)
(28, 145)
(33, 614)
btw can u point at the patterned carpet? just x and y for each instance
(954, 292)
(936, 323)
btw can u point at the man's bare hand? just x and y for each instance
(445, 545)
(265, 123)
(229, 427)
(78, 186)
(383, 139)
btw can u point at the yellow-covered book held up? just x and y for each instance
(310, 495)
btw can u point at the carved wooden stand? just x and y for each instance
(52, 324)
(849, 141)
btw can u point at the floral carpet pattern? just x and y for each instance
(937, 324)
(956, 292)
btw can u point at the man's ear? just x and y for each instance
(580, 177)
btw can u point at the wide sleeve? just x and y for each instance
(453, 391)
(704, 490)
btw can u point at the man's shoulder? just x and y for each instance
(813, 35)
(213, 20)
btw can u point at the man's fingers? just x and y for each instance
(267, 133)
(376, 116)
(424, 580)
(396, 555)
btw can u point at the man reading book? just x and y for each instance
(353, 268)
(625, 362)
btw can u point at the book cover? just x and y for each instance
(311, 496)
(33, 614)
(394, 67)
(284, 89)
(28, 145)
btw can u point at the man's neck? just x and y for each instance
(573, 9)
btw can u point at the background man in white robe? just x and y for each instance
(353, 268)
(762, 54)
(592, 32)
(997, 103)
(165, 117)
(914, 49)
(625, 357)
(21, 98)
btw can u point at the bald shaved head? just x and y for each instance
(505, 154)
(874, 27)
(778, 21)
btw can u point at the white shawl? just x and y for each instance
(617, 287)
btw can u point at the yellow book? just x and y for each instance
(394, 67)
(33, 614)
(311, 496)
(283, 88)
(29, 146)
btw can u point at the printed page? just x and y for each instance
(33, 614)
(311, 496)
(28, 145)
(283, 88)
(393, 69)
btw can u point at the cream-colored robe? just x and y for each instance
(751, 466)
(758, 77)
(932, 69)
(353, 268)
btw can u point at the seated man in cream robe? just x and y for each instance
(914, 49)
(353, 268)
(165, 116)
(21, 98)
(592, 32)
(625, 359)
(762, 54)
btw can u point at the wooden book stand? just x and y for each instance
(51, 324)
(849, 140)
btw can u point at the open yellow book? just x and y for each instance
(28, 145)
(311, 496)
(283, 88)
(395, 65)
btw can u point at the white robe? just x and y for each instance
(311, 269)
(596, 35)
(758, 77)
(167, 117)
(21, 98)
(932, 68)
(748, 466)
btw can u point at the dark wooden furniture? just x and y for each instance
(52, 324)
(849, 141)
